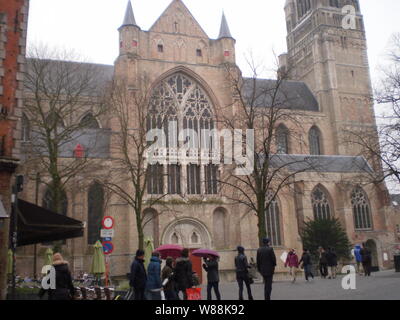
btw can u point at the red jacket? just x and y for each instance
(292, 260)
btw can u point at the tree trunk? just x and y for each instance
(262, 230)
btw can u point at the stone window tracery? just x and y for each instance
(272, 221)
(361, 210)
(320, 203)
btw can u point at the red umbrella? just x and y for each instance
(203, 253)
(169, 250)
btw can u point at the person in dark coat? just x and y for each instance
(153, 284)
(211, 267)
(266, 263)
(138, 276)
(323, 263)
(64, 287)
(168, 273)
(307, 264)
(183, 273)
(242, 273)
(366, 257)
(331, 257)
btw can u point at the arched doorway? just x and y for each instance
(371, 244)
(191, 234)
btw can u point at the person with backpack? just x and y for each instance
(211, 267)
(307, 264)
(358, 258)
(292, 261)
(153, 284)
(331, 257)
(242, 273)
(183, 274)
(366, 260)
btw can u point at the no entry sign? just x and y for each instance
(108, 223)
(108, 247)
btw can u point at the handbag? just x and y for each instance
(193, 293)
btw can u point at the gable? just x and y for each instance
(178, 19)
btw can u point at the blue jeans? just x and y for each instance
(308, 272)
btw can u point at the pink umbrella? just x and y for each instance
(203, 253)
(169, 250)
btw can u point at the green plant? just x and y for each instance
(326, 233)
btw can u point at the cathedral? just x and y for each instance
(329, 77)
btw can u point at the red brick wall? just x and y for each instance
(13, 25)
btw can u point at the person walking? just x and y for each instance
(138, 276)
(366, 260)
(167, 273)
(183, 274)
(242, 273)
(64, 287)
(358, 258)
(323, 263)
(331, 257)
(266, 263)
(153, 284)
(307, 264)
(292, 261)
(211, 267)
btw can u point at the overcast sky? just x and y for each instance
(90, 26)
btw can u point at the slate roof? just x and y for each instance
(291, 94)
(129, 19)
(96, 143)
(224, 32)
(323, 164)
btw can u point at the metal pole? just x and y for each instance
(35, 246)
(14, 200)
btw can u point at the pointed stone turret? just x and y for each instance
(224, 32)
(129, 19)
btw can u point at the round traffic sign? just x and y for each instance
(108, 223)
(108, 247)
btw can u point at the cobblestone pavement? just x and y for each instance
(383, 285)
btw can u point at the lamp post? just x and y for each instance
(18, 187)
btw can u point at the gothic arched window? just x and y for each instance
(181, 100)
(272, 221)
(320, 203)
(314, 137)
(361, 210)
(95, 212)
(47, 202)
(155, 179)
(26, 128)
(282, 140)
(89, 121)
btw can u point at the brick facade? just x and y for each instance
(13, 29)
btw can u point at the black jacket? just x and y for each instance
(322, 258)
(64, 287)
(241, 264)
(366, 255)
(266, 261)
(138, 276)
(211, 266)
(306, 259)
(331, 257)
(183, 275)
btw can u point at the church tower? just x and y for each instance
(327, 50)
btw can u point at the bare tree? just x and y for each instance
(264, 106)
(128, 177)
(381, 145)
(57, 93)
